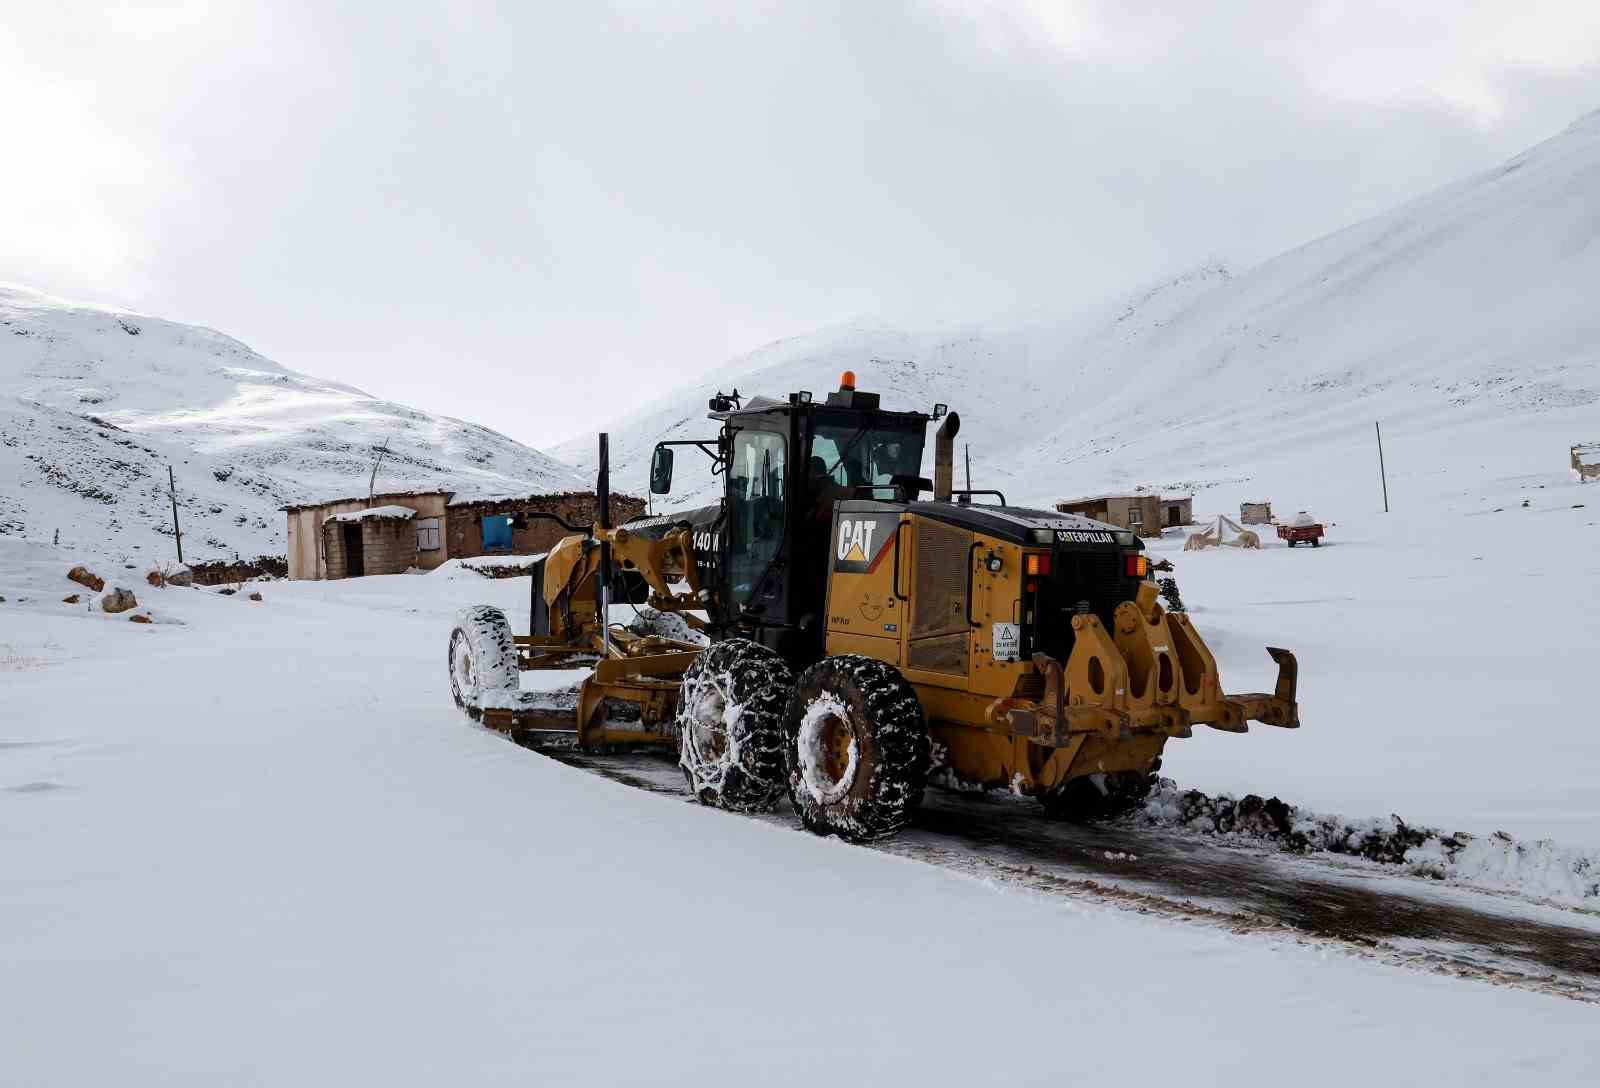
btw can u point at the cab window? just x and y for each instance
(855, 456)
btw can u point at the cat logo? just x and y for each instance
(861, 541)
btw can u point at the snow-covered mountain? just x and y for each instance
(95, 404)
(1467, 321)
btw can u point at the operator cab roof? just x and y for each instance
(727, 405)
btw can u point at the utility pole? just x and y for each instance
(172, 493)
(1382, 472)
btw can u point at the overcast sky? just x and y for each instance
(539, 215)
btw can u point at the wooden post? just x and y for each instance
(172, 493)
(1382, 472)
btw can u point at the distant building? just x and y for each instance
(394, 532)
(1141, 513)
(1176, 510)
(1255, 513)
(1586, 461)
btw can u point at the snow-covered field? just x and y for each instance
(1446, 663)
(96, 404)
(254, 843)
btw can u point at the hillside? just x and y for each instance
(95, 404)
(1465, 321)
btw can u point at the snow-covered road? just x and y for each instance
(257, 845)
(1363, 907)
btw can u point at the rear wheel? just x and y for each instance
(858, 748)
(730, 725)
(1100, 796)
(483, 661)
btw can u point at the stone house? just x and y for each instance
(1176, 510)
(1142, 513)
(393, 532)
(312, 527)
(503, 526)
(378, 540)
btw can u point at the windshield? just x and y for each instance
(866, 454)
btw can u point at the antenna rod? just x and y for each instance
(373, 479)
(966, 449)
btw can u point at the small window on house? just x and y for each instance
(1135, 517)
(428, 535)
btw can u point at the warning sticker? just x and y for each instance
(1008, 642)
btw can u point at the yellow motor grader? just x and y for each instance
(826, 631)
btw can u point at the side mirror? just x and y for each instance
(661, 470)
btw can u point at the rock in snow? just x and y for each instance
(84, 578)
(119, 600)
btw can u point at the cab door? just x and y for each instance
(757, 516)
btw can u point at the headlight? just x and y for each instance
(1042, 536)
(1126, 539)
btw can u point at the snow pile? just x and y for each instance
(96, 404)
(1541, 870)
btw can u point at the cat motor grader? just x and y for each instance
(827, 632)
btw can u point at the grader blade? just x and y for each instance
(1281, 708)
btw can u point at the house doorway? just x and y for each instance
(354, 555)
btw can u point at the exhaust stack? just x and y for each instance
(944, 457)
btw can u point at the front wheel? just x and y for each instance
(484, 671)
(730, 725)
(858, 748)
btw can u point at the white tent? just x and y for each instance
(1222, 532)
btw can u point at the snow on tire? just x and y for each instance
(730, 725)
(858, 748)
(483, 661)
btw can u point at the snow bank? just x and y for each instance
(1537, 870)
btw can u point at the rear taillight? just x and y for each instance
(1036, 564)
(1138, 566)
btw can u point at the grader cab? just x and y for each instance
(838, 636)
